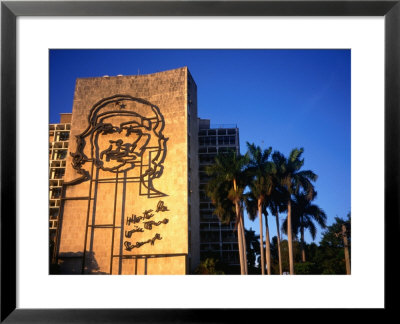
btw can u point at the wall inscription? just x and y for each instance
(147, 225)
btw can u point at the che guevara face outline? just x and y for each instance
(119, 146)
(130, 137)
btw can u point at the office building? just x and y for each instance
(127, 178)
(129, 201)
(217, 240)
(58, 147)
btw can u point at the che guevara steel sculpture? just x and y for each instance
(125, 137)
(129, 140)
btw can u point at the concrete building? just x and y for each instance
(129, 202)
(58, 147)
(217, 240)
(127, 178)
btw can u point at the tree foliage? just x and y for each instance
(252, 179)
(330, 255)
(325, 258)
(228, 179)
(207, 267)
(253, 248)
(304, 214)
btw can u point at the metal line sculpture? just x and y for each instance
(128, 234)
(147, 225)
(135, 141)
(129, 246)
(136, 219)
(124, 137)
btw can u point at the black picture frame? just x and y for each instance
(10, 10)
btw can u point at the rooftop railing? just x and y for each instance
(223, 125)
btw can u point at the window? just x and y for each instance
(204, 206)
(206, 159)
(61, 154)
(59, 173)
(53, 213)
(56, 193)
(209, 140)
(64, 136)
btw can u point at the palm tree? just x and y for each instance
(243, 230)
(278, 204)
(253, 247)
(261, 170)
(304, 215)
(292, 180)
(228, 179)
(251, 204)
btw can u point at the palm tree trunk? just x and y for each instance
(290, 239)
(346, 250)
(262, 264)
(303, 250)
(240, 240)
(279, 243)
(267, 246)
(242, 252)
(244, 244)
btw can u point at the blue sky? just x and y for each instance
(279, 98)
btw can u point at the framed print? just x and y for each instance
(367, 33)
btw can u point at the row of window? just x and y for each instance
(55, 182)
(54, 203)
(61, 136)
(55, 193)
(53, 224)
(58, 164)
(206, 159)
(56, 127)
(230, 257)
(207, 205)
(57, 173)
(216, 226)
(208, 132)
(213, 140)
(214, 247)
(215, 150)
(59, 145)
(53, 213)
(213, 236)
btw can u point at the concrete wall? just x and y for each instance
(114, 141)
(193, 183)
(65, 118)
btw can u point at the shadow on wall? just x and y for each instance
(71, 263)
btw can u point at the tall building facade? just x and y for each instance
(217, 240)
(58, 148)
(129, 202)
(127, 173)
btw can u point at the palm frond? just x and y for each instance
(313, 230)
(250, 203)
